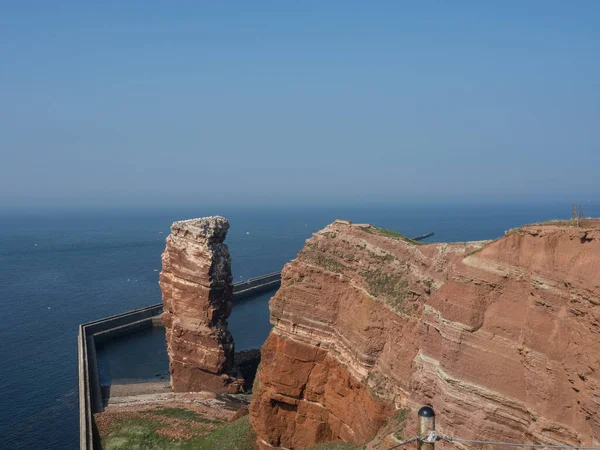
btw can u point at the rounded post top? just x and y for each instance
(426, 411)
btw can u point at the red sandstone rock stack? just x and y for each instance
(502, 338)
(197, 289)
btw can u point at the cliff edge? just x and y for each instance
(500, 337)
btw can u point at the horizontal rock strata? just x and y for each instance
(502, 338)
(197, 289)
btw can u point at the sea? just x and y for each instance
(62, 268)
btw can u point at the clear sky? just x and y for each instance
(153, 103)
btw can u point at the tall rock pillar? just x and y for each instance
(197, 289)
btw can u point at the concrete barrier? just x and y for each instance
(90, 394)
(256, 285)
(86, 437)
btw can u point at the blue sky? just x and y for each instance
(163, 103)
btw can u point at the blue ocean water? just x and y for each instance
(138, 357)
(59, 270)
(142, 356)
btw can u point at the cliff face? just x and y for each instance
(197, 289)
(500, 338)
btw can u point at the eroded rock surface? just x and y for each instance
(502, 338)
(197, 289)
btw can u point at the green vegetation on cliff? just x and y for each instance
(143, 433)
(335, 446)
(390, 287)
(389, 233)
(321, 259)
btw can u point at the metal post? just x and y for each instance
(426, 427)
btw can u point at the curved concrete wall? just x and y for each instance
(90, 395)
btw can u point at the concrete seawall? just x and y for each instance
(254, 286)
(102, 330)
(90, 395)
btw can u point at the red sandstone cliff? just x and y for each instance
(197, 289)
(502, 339)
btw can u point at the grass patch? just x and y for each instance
(557, 222)
(135, 433)
(237, 435)
(141, 434)
(383, 232)
(183, 414)
(389, 233)
(320, 259)
(335, 446)
(390, 287)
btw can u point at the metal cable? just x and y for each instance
(511, 444)
(408, 441)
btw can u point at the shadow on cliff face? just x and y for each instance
(247, 362)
